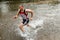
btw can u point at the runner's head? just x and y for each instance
(21, 7)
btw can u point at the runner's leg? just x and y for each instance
(21, 27)
(27, 23)
(22, 24)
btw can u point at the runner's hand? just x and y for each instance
(15, 17)
(31, 18)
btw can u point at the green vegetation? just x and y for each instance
(27, 1)
(55, 2)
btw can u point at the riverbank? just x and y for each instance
(40, 2)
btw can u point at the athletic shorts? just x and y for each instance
(25, 21)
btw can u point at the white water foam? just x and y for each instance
(30, 32)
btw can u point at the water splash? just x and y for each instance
(30, 32)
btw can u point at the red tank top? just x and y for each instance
(23, 12)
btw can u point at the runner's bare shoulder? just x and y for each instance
(28, 10)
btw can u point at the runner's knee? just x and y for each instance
(21, 25)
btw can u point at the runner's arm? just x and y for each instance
(18, 12)
(31, 13)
